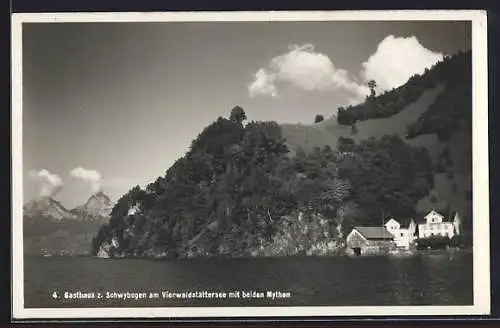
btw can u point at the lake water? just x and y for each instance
(428, 279)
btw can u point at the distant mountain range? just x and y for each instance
(97, 207)
(47, 207)
(52, 229)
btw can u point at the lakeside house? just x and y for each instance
(400, 234)
(369, 240)
(436, 225)
(404, 232)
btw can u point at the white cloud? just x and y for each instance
(91, 176)
(49, 184)
(393, 63)
(303, 68)
(263, 85)
(396, 60)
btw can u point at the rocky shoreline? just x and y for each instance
(304, 236)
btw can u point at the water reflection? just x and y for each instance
(430, 279)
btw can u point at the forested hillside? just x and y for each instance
(433, 111)
(236, 192)
(228, 195)
(264, 189)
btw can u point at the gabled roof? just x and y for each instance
(435, 212)
(389, 219)
(404, 223)
(444, 218)
(420, 218)
(375, 233)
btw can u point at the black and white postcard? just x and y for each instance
(250, 164)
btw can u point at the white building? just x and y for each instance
(457, 222)
(435, 225)
(403, 237)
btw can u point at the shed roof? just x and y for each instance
(375, 233)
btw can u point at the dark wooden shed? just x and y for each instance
(369, 241)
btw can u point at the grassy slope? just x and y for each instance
(328, 131)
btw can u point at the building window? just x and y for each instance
(401, 234)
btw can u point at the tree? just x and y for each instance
(386, 174)
(440, 167)
(354, 129)
(344, 117)
(237, 115)
(318, 118)
(372, 85)
(468, 195)
(446, 155)
(412, 130)
(346, 144)
(444, 135)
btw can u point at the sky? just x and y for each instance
(107, 106)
